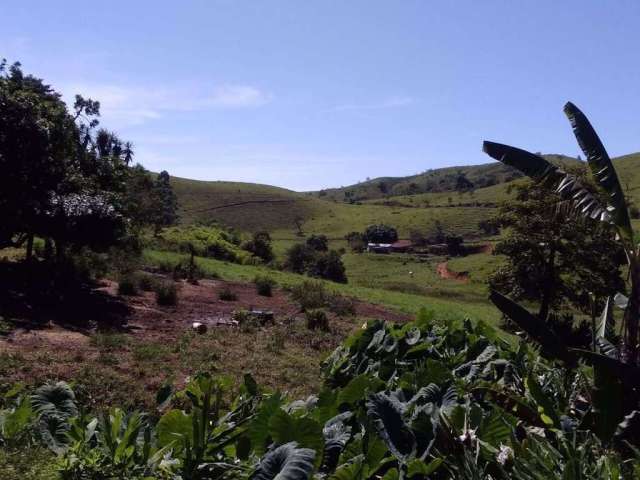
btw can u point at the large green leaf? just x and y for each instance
(286, 462)
(629, 429)
(546, 409)
(14, 421)
(336, 433)
(175, 427)
(539, 169)
(259, 427)
(305, 431)
(386, 414)
(602, 169)
(358, 388)
(533, 327)
(54, 399)
(606, 324)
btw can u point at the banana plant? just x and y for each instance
(613, 211)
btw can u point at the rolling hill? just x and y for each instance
(252, 207)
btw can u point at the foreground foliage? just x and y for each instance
(420, 400)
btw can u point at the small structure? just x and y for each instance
(401, 246)
(379, 247)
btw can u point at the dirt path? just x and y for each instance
(444, 272)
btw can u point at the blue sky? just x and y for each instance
(311, 94)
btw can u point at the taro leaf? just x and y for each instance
(534, 327)
(336, 433)
(327, 406)
(418, 467)
(52, 430)
(601, 168)
(163, 396)
(259, 427)
(495, 428)
(610, 379)
(243, 447)
(607, 348)
(13, 422)
(628, 430)
(250, 385)
(357, 389)
(545, 405)
(176, 427)
(351, 470)
(605, 326)
(386, 415)
(620, 301)
(412, 336)
(389, 344)
(536, 167)
(286, 462)
(54, 399)
(285, 428)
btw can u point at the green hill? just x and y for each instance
(251, 207)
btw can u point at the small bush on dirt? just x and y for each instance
(128, 285)
(246, 322)
(166, 293)
(108, 340)
(309, 294)
(146, 282)
(341, 305)
(149, 351)
(317, 320)
(276, 341)
(227, 295)
(264, 285)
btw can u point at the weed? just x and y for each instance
(276, 341)
(166, 293)
(264, 285)
(317, 320)
(146, 282)
(149, 351)
(309, 294)
(128, 285)
(227, 295)
(109, 340)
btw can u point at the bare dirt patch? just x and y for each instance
(444, 272)
(157, 344)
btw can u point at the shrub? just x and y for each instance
(317, 320)
(356, 241)
(166, 293)
(246, 322)
(264, 285)
(146, 282)
(108, 340)
(381, 234)
(227, 295)
(328, 265)
(260, 246)
(206, 241)
(309, 295)
(319, 243)
(341, 305)
(128, 285)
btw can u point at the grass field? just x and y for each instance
(469, 302)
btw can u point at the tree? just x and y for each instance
(37, 148)
(381, 234)
(554, 257)
(167, 201)
(319, 243)
(260, 246)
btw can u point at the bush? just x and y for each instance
(319, 243)
(128, 285)
(302, 258)
(309, 295)
(341, 305)
(357, 242)
(166, 293)
(381, 234)
(146, 282)
(227, 295)
(260, 246)
(264, 285)
(205, 241)
(317, 320)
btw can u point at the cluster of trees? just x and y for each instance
(66, 180)
(314, 258)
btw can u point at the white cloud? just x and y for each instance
(134, 105)
(391, 102)
(238, 96)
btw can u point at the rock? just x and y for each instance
(199, 327)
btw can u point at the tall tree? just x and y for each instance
(167, 201)
(555, 257)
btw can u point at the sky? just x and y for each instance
(310, 94)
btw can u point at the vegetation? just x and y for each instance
(425, 398)
(264, 285)
(166, 293)
(380, 234)
(304, 258)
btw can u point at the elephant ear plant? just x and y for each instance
(613, 210)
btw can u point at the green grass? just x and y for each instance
(469, 304)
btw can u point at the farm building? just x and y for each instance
(401, 246)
